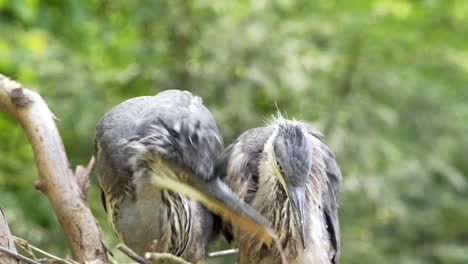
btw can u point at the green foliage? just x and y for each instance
(385, 80)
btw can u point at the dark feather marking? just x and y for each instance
(331, 231)
(179, 233)
(103, 199)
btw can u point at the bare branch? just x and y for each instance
(56, 180)
(82, 177)
(15, 255)
(165, 258)
(131, 254)
(6, 240)
(30, 248)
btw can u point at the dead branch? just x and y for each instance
(151, 257)
(6, 241)
(164, 258)
(56, 180)
(132, 254)
(16, 256)
(28, 248)
(82, 176)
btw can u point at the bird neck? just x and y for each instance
(268, 165)
(180, 220)
(272, 201)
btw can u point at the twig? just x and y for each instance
(6, 240)
(223, 253)
(18, 256)
(165, 258)
(28, 250)
(28, 247)
(151, 257)
(131, 254)
(82, 177)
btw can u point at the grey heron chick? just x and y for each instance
(150, 151)
(286, 172)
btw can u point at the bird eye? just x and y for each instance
(279, 167)
(183, 176)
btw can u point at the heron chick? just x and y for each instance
(150, 151)
(286, 172)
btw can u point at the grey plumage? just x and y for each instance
(287, 173)
(168, 135)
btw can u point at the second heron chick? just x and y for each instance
(287, 173)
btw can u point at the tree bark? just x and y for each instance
(56, 180)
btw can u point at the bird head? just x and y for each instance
(293, 163)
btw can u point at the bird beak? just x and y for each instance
(297, 198)
(219, 198)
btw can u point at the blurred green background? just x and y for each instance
(386, 81)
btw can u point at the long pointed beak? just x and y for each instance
(219, 198)
(224, 202)
(297, 199)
